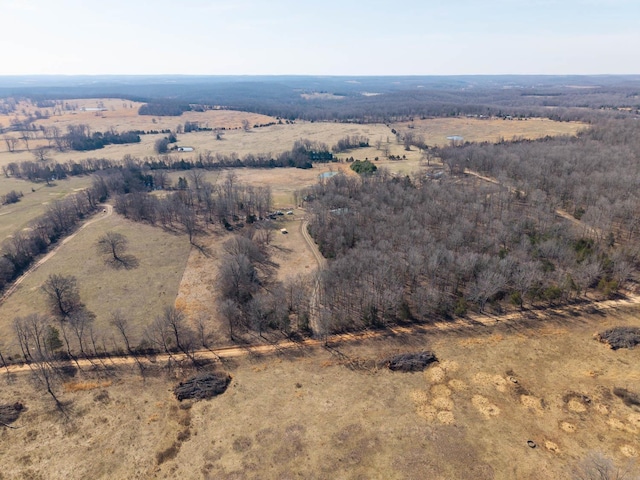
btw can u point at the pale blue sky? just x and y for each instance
(330, 37)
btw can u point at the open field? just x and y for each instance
(304, 414)
(16, 216)
(436, 130)
(122, 116)
(140, 293)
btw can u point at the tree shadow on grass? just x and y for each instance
(126, 262)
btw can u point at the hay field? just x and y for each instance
(122, 115)
(436, 130)
(306, 415)
(17, 216)
(141, 293)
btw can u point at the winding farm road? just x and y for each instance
(106, 212)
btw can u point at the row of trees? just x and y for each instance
(303, 154)
(78, 137)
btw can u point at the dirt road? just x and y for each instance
(107, 211)
(314, 315)
(461, 324)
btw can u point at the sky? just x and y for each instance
(321, 37)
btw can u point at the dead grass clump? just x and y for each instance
(629, 398)
(620, 337)
(411, 362)
(202, 386)
(10, 413)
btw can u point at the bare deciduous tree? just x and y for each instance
(62, 295)
(39, 342)
(114, 245)
(11, 143)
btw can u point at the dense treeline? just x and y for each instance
(80, 138)
(368, 99)
(406, 249)
(594, 177)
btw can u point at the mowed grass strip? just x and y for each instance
(140, 293)
(17, 216)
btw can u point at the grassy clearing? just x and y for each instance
(140, 293)
(17, 216)
(307, 415)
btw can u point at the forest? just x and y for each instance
(361, 99)
(512, 225)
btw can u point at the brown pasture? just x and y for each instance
(122, 116)
(16, 216)
(140, 293)
(338, 413)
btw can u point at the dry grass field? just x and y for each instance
(305, 414)
(140, 293)
(15, 217)
(436, 130)
(122, 115)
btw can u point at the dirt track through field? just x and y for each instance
(107, 212)
(468, 323)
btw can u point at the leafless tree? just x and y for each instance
(41, 154)
(114, 245)
(11, 143)
(598, 467)
(39, 342)
(233, 315)
(120, 322)
(62, 295)
(81, 322)
(183, 336)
